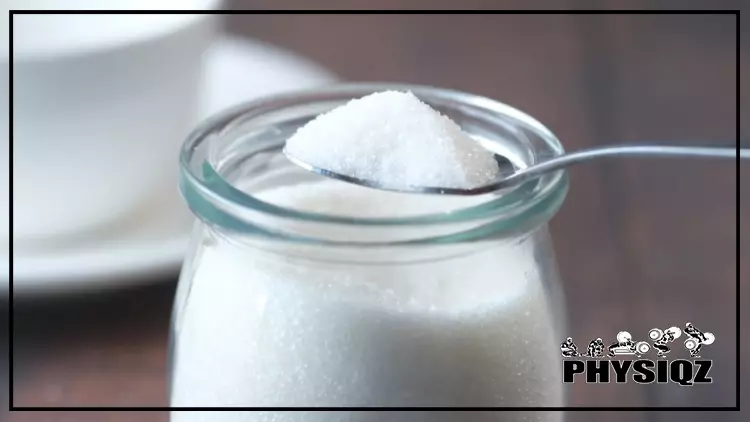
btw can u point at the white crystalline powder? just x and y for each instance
(264, 328)
(395, 139)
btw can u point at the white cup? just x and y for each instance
(101, 104)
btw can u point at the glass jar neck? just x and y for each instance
(230, 160)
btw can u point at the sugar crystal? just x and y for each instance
(395, 139)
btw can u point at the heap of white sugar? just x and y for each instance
(395, 139)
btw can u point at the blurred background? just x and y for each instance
(640, 244)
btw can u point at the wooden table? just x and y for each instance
(640, 244)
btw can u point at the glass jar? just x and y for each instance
(294, 295)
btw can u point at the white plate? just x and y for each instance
(152, 243)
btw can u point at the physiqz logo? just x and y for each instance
(599, 367)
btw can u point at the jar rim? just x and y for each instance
(202, 184)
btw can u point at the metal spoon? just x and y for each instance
(514, 176)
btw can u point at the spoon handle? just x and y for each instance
(660, 151)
